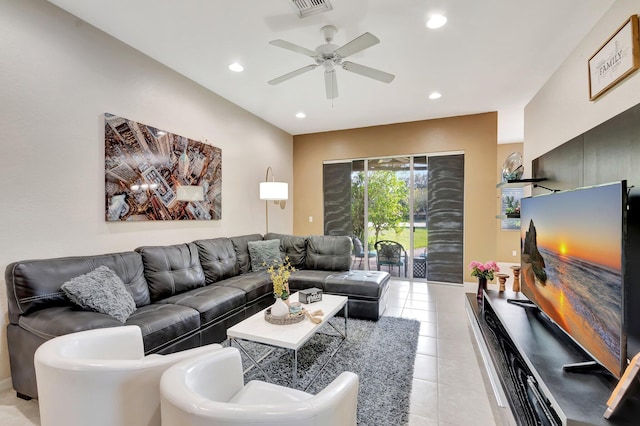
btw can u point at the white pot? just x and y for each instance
(280, 308)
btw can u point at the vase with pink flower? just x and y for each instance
(484, 272)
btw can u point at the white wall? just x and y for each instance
(58, 76)
(561, 110)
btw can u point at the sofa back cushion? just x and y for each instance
(241, 247)
(218, 259)
(35, 284)
(328, 253)
(171, 270)
(293, 246)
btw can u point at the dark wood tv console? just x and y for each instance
(523, 352)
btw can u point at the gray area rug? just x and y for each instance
(381, 353)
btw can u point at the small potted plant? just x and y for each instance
(512, 210)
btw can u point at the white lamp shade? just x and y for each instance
(274, 191)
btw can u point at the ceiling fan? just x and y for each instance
(330, 55)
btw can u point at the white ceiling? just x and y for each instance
(493, 55)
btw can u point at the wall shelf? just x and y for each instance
(518, 183)
(504, 216)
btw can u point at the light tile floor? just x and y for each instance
(448, 387)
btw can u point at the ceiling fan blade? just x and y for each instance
(291, 74)
(357, 44)
(331, 84)
(382, 76)
(293, 47)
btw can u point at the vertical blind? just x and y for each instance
(336, 184)
(445, 218)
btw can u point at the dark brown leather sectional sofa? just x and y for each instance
(186, 295)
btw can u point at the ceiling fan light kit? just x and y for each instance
(329, 56)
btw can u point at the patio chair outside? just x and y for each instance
(359, 253)
(391, 253)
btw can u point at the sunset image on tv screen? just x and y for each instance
(571, 265)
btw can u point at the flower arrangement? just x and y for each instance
(280, 273)
(484, 270)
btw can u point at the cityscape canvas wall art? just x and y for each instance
(151, 174)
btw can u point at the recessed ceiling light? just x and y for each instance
(436, 21)
(435, 95)
(301, 115)
(236, 67)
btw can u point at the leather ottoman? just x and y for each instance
(368, 292)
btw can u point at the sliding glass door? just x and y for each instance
(387, 208)
(387, 220)
(386, 194)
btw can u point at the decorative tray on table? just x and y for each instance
(285, 320)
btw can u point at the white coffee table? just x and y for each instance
(291, 336)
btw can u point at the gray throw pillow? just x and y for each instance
(264, 254)
(101, 290)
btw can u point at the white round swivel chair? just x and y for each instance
(209, 390)
(102, 378)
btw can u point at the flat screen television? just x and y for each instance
(572, 266)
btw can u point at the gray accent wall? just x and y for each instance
(336, 183)
(607, 153)
(445, 218)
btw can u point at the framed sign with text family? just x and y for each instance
(618, 57)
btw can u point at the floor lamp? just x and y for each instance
(278, 192)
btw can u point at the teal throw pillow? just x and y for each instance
(264, 254)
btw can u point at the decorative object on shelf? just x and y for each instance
(310, 295)
(280, 273)
(618, 57)
(278, 192)
(512, 209)
(151, 174)
(512, 168)
(502, 279)
(483, 272)
(516, 278)
(285, 319)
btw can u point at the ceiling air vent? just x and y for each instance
(311, 7)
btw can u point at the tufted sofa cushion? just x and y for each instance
(241, 247)
(171, 270)
(218, 259)
(328, 253)
(293, 246)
